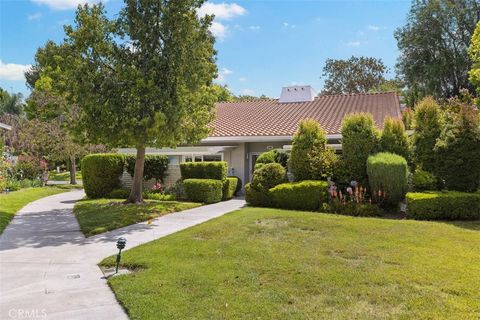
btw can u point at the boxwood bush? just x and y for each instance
(304, 195)
(264, 178)
(388, 172)
(438, 205)
(203, 190)
(229, 187)
(423, 180)
(216, 170)
(101, 173)
(156, 166)
(239, 184)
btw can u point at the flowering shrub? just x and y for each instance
(355, 200)
(157, 188)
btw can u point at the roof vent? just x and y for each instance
(297, 94)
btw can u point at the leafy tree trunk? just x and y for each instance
(73, 170)
(137, 186)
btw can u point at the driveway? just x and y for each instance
(48, 269)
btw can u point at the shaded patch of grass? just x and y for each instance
(275, 264)
(63, 176)
(12, 202)
(101, 215)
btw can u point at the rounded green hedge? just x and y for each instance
(388, 172)
(437, 205)
(304, 195)
(101, 173)
(203, 190)
(229, 187)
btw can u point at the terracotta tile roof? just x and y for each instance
(271, 118)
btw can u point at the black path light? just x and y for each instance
(121, 243)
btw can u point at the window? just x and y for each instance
(203, 158)
(173, 160)
(212, 157)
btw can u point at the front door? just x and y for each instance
(253, 159)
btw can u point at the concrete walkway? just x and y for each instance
(48, 269)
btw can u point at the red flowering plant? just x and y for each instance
(157, 188)
(355, 200)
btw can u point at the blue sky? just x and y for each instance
(262, 45)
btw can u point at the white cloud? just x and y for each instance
(288, 25)
(242, 79)
(223, 73)
(34, 16)
(248, 92)
(254, 28)
(222, 11)
(373, 28)
(219, 30)
(13, 71)
(353, 43)
(65, 4)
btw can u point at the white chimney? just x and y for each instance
(297, 94)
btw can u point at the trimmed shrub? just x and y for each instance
(216, 170)
(264, 178)
(388, 172)
(427, 126)
(158, 196)
(268, 176)
(121, 193)
(229, 187)
(273, 156)
(457, 151)
(156, 166)
(239, 184)
(101, 173)
(177, 190)
(355, 209)
(203, 190)
(359, 141)
(437, 205)
(309, 142)
(304, 195)
(423, 180)
(394, 139)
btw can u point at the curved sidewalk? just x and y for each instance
(48, 269)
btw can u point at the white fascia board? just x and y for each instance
(5, 126)
(258, 138)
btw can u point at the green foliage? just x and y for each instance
(428, 124)
(11, 103)
(264, 178)
(388, 172)
(355, 75)
(310, 159)
(433, 46)
(159, 196)
(204, 170)
(394, 139)
(451, 205)
(423, 180)
(222, 93)
(177, 190)
(273, 156)
(474, 52)
(359, 141)
(457, 151)
(229, 187)
(203, 190)
(355, 209)
(101, 173)
(156, 166)
(239, 184)
(304, 195)
(119, 193)
(27, 168)
(407, 117)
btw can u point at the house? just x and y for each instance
(242, 131)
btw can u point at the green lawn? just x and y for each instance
(98, 216)
(63, 176)
(12, 202)
(274, 264)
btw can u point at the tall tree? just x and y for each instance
(474, 51)
(11, 103)
(354, 75)
(433, 46)
(143, 79)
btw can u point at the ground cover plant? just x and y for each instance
(11, 202)
(101, 215)
(279, 264)
(63, 176)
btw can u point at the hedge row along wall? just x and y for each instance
(449, 205)
(204, 190)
